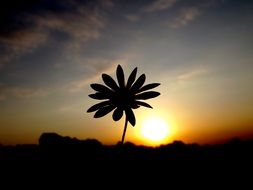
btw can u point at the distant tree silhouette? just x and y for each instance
(51, 139)
(54, 149)
(122, 97)
(55, 140)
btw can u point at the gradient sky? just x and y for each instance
(201, 51)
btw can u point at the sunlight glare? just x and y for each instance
(155, 129)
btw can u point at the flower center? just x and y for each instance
(123, 98)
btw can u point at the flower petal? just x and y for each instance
(131, 78)
(130, 116)
(148, 87)
(99, 96)
(143, 104)
(135, 105)
(139, 82)
(120, 76)
(117, 114)
(104, 110)
(101, 88)
(108, 80)
(98, 106)
(147, 95)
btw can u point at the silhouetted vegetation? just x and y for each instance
(55, 147)
(62, 160)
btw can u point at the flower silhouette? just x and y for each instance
(122, 97)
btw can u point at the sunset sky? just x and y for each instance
(201, 51)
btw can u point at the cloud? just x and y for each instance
(20, 92)
(78, 85)
(21, 41)
(80, 24)
(191, 74)
(96, 67)
(107, 3)
(159, 5)
(132, 18)
(2, 97)
(186, 15)
(66, 108)
(27, 92)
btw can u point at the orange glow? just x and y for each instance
(155, 130)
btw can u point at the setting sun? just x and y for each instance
(155, 129)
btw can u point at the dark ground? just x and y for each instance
(64, 158)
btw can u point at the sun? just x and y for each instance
(155, 129)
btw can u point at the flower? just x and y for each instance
(122, 97)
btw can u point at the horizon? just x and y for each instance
(201, 52)
(216, 143)
(247, 137)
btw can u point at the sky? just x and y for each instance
(201, 51)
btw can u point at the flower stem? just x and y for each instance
(124, 132)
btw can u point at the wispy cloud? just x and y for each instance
(133, 18)
(159, 5)
(7, 91)
(66, 108)
(187, 13)
(2, 97)
(21, 41)
(192, 74)
(96, 68)
(185, 16)
(27, 92)
(80, 24)
(107, 3)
